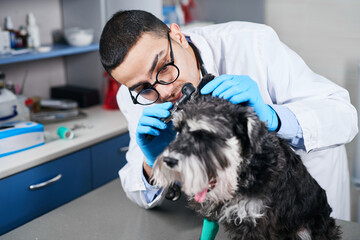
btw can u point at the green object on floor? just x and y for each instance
(210, 229)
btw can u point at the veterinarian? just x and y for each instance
(153, 61)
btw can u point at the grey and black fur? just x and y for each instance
(236, 172)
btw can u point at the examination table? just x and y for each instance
(107, 214)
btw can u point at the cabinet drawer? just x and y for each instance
(108, 158)
(71, 176)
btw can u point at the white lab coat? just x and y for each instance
(323, 109)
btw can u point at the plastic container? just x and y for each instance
(79, 37)
(12, 107)
(8, 106)
(33, 39)
(65, 133)
(5, 46)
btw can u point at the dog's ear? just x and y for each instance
(249, 130)
(207, 78)
(256, 131)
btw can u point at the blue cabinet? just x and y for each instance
(38, 190)
(108, 158)
(31, 193)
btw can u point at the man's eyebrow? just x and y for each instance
(132, 88)
(153, 65)
(155, 62)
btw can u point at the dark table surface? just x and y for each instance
(107, 214)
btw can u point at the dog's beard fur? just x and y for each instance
(192, 174)
(236, 172)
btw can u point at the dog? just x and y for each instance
(236, 172)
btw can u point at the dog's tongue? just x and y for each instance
(200, 196)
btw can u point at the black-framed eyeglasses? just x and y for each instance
(168, 74)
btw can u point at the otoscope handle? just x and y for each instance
(171, 110)
(187, 90)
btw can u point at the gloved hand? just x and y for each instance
(150, 123)
(238, 89)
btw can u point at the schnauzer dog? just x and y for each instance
(236, 172)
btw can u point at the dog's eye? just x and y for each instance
(171, 162)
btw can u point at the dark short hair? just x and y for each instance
(122, 32)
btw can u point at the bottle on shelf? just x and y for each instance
(23, 36)
(33, 40)
(9, 26)
(4, 42)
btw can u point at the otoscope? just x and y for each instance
(187, 90)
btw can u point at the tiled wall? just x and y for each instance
(326, 34)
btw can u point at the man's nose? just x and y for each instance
(165, 91)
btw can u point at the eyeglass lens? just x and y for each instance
(167, 75)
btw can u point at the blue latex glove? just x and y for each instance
(238, 89)
(150, 124)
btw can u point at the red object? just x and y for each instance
(186, 10)
(29, 102)
(110, 97)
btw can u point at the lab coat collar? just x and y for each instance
(205, 52)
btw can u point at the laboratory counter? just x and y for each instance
(107, 214)
(98, 125)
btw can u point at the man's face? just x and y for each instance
(148, 56)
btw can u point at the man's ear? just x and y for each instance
(178, 36)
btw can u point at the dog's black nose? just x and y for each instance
(171, 162)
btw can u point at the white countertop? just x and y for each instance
(100, 124)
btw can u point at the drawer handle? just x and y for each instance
(124, 149)
(46, 183)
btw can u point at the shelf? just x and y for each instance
(57, 50)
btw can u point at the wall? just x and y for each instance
(94, 14)
(326, 33)
(42, 73)
(229, 10)
(55, 15)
